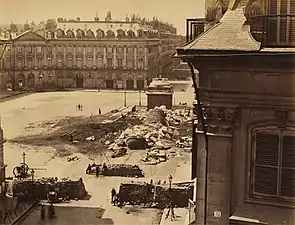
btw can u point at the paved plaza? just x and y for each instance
(17, 114)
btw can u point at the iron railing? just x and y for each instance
(194, 27)
(274, 30)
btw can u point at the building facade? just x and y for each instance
(245, 148)
(88, 54)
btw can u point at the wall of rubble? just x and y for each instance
(38, 189)
(143, 193)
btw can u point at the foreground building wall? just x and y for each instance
(246, 85)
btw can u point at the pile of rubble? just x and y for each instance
(38, 189)
(157, 132)
(156, 195)
(120, 170)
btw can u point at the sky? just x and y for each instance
(172, 11)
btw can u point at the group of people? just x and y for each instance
(80, 107)
(98, 171)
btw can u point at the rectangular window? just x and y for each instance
(19, 49)
(109, 62)
(120, 50)
(99, 61)
(69, 61)
(39, 50)
(274, 164)
(49, 49)
(20, 62)
(80, 49)
(7, 63)
(59, 49)
(281, 30)
(39, 62)
(59, 62)
(89, 62)
(79, 61)
(99, 50)
(130, 62)
(30, 49)
(30, 62)
(69, 49)
(120, 62)
(109, 50)
(140, 51)
(130, 50)
(89, 49)
(140, 63)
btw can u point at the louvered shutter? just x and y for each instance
(288, 167)
(292, 22)
(266, 164)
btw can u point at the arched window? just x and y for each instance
(273, 155)
(80, 33)
(120, 33)
(60, 33)
(110, 34)
(70, 34)
(100, 33)
(89, 34)
(140, 33)
(131, 34)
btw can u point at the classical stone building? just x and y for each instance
(245, 153)
(89, 54)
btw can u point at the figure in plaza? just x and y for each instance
(113, 194)
(170, 210)
(88, 170)
(97, 171)
(99, 111)
(79, 107)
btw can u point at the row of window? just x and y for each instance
(20, 63)
(79, 49)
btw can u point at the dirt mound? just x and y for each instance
(102, 129)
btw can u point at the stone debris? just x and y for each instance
(135, 193)
(158, 131)
(120, 170)
(91, 138)
(184, 142)
(38, 189)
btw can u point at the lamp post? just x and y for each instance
(171, 204)
(24, 158)
(125, 100)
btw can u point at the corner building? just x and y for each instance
(88, 54)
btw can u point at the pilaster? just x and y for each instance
(220, 123)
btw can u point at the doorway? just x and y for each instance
(109, 84)
(79, 80)
(129, 84)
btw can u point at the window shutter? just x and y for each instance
(288, 167)
(266, 164)
(273, 7)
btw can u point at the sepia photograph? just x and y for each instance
(147, 112)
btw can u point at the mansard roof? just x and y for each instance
(229, 34)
